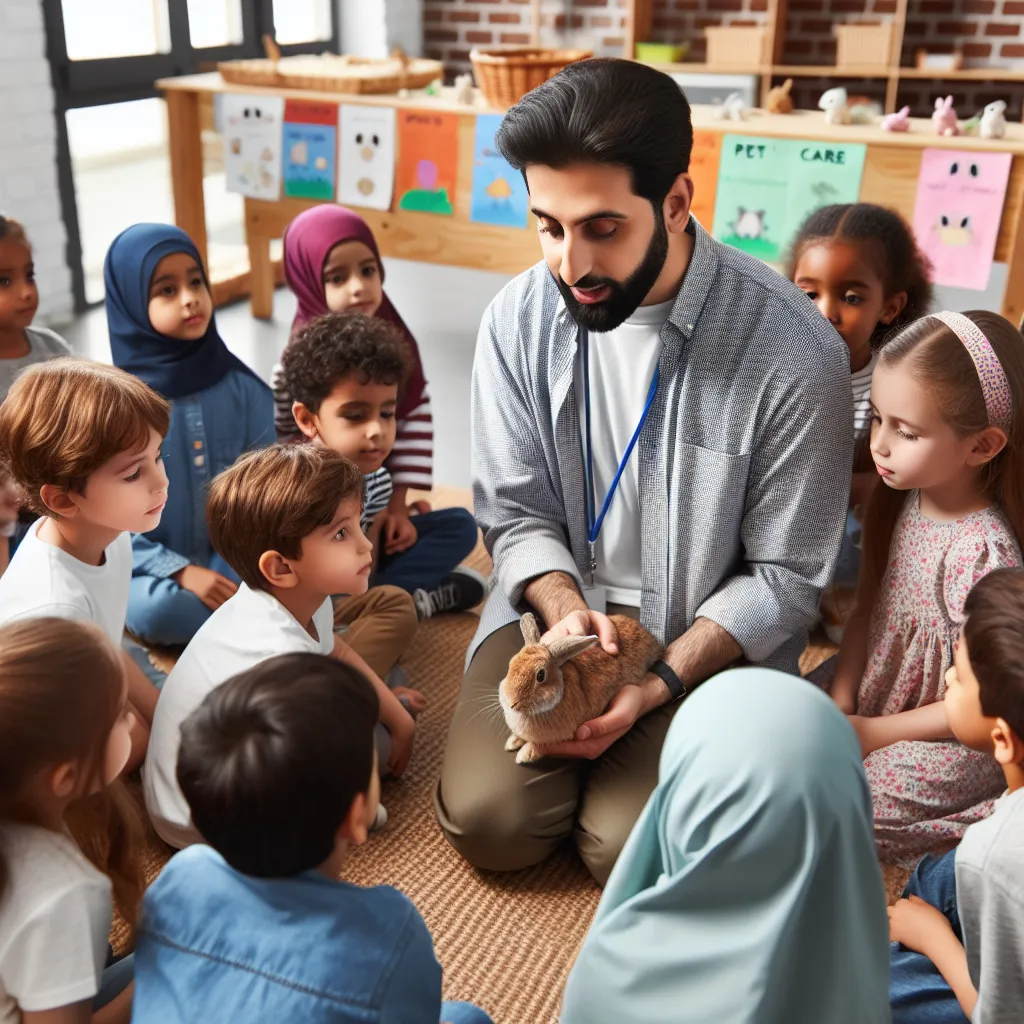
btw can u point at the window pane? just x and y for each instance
(115, 28)
(214, 23)
(302, 21)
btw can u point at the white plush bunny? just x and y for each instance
(993, 121)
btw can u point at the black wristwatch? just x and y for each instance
(676, 688)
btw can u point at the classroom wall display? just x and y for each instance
(499, 193)
(428, 158)
(704, 162)
(957, 213)
(252, 144)
(366, 156)
(820, 174)
(309, 149)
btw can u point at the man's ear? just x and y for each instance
(676, 207)
(305, 420)
(58, 500)
(278, 570)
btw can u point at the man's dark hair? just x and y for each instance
(337, 345)
(271, 761)
(605, 111)
(994, 631)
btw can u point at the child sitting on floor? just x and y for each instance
(162, 329)
(958, 934)
(83, 441)
(279, 768)
(948, 443)
(286, 519)
(65, 730)
(861, 267)
(345, 372)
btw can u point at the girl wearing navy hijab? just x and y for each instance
(162, 329)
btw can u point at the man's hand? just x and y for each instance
(593, 738)
(398, 532)
(870, 732)
(210, 587)
(917, 924)
(402, 731)
(586, 623)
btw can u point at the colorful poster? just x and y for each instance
(957, 213)
(428, 158)
(704, 161)
(750, 203)
(820, 173)
(499, 192)
(366, 156)
(252, 144)
(310, 146)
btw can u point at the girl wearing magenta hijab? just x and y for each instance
(332, 264)
(749, 891)
(162, 329)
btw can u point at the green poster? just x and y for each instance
(821, 173)
(750, 203)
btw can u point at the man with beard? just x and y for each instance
(661, 428)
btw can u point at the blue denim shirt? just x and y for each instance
(208, 431)
(217, 945)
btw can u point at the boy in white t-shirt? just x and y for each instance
(286, 519)
(83, 442)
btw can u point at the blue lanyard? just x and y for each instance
(594, 523)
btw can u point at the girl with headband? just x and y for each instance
(947, 440)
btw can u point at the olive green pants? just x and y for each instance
(504, 816)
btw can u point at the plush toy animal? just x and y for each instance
(993, 121)
(464, 89)
(898, 122)
(732, 109)
(553, 688)
(944, 117)
(779, 99)
(833, 102)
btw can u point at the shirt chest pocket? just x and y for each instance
(224, 451)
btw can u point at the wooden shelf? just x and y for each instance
(693, 68)
(829, 71)
(964, 74)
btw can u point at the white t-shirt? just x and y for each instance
(44, 580)
(54, 921)
(244, 631)
(860, 383)
(622, 363)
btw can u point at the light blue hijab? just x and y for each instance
(749, 891)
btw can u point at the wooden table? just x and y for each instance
(891, 170)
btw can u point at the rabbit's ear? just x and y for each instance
(565, 648)
(528, 624)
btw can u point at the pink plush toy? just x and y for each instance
(898, 122)
(944, 118)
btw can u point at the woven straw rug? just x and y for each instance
(506, 942)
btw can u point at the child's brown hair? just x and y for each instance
(941, 363)
(272, 499)
(13, 231)
(994, 631)
(65, 418)
(61, 693)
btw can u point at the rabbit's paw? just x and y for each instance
(514, 742)
(528, 753)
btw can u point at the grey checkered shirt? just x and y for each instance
(743, 463)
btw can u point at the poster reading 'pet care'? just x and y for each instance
(366, 156)
(956, 217)
(252, 144)
(499, 192)
(750, 204)
(310, 144)
(820, 174)
(428, 159)
(704, 163)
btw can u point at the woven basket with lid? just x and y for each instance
(505, 75)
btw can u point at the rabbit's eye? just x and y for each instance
(542, 674)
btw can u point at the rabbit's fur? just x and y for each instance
(578, 679)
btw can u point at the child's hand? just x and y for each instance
(402, 733)
(398, 532)
(210, 587)
(916, 924)
(412, 700)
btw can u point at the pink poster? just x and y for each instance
(956, 217)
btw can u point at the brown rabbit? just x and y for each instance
(553, 688)
(779, 100)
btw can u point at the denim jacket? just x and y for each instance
(217, 945)
(208, 431)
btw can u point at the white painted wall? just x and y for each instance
(372, 28)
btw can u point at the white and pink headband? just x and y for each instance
(994, 386)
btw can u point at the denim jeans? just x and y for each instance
(917, 991)
(444, 539)
(117, 976)
(463, 1013)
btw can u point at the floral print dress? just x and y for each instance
(926, 794)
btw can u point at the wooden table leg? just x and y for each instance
(261, 276)
(1013, 296)
(186, 148)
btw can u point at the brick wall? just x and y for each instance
(28, 153)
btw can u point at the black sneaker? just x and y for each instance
(461, 590)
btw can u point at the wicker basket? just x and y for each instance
(733, 46)
(506, 75)
(331, 73)
(864, 46)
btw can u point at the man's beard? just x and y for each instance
(625, 296)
